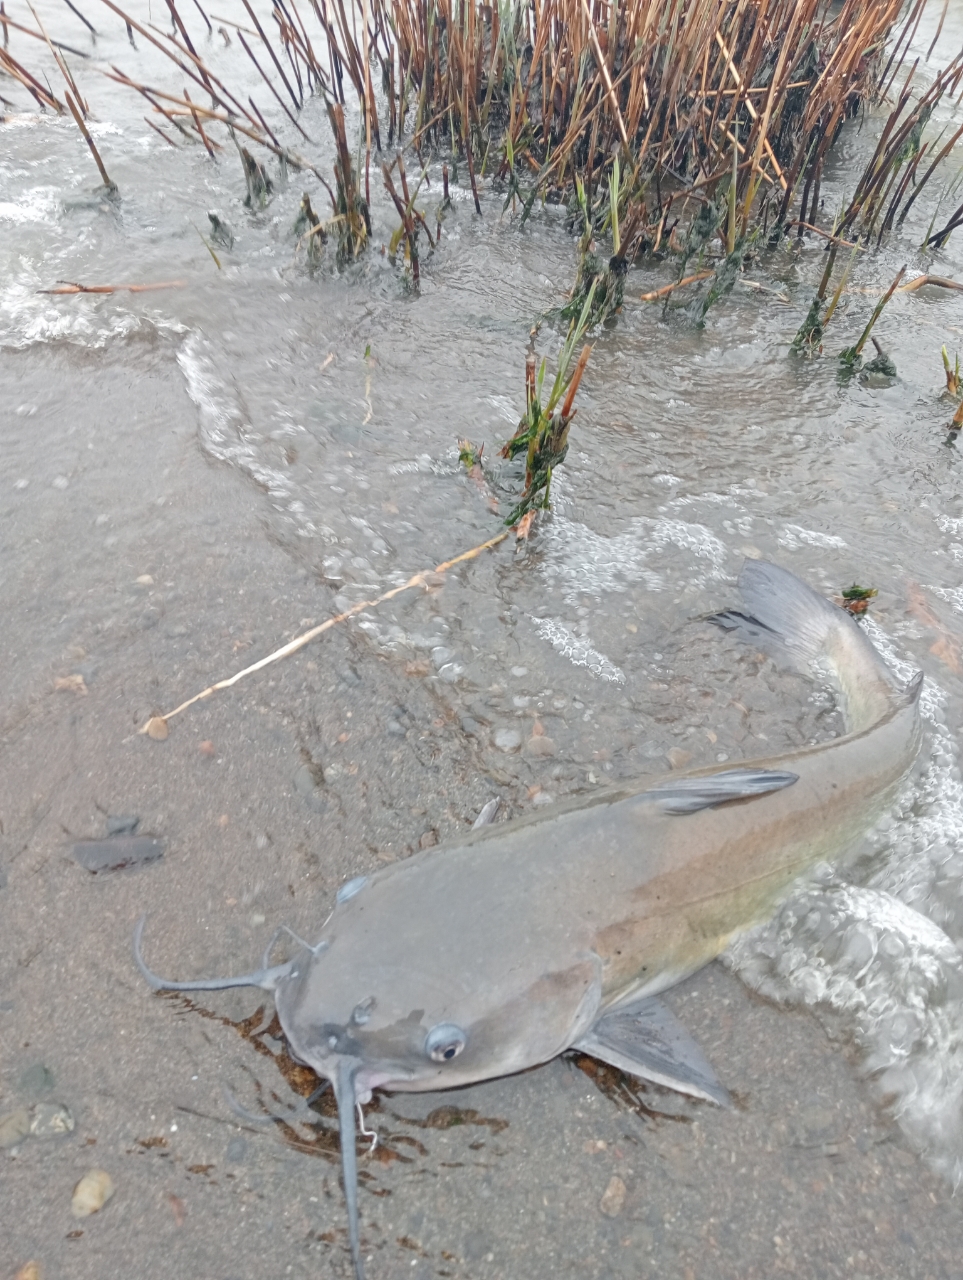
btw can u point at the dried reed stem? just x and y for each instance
(422, 579)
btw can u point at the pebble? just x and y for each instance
(29, 1271)
(37, 1079)
(540, 746)
(428, 840)
(50, 1120)
(507, 740)
(117, 852)
(678, 758)
(613, 1197)
(236, 1150)
(122, 824)
(14, 1127)
(307, 788)
(91, 1193)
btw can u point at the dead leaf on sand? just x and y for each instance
(70, 684)
(523, 528)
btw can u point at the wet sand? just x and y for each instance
(320, 768)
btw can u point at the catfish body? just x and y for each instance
(523, 934)
(501, 950)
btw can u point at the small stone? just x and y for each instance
(206, 748)
(29, 1271)
(540, 746)
(518, 672)
(145, 580)
(117, 852)
(236, 1150)
(122, 824)
(306, 785)
(91, 1193)
(395, 728)
(428, 840)
(14, 1127)
(678, 758)
(37, 1079)
(50, 1120)
(60, 482)
(157, 728)
(613, 1197)
(507, 740)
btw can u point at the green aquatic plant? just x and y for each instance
(851, 358)
(542, 433)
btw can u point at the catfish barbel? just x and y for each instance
(557, 930)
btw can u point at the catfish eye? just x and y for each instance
(445, 1042)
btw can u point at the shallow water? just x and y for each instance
(193, 476)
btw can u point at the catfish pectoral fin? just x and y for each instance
(646, 1039)
(689, 795)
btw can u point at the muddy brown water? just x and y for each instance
(194, 476)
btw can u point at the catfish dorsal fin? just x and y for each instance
(706, 791)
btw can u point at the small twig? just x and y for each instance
(919, 281)
(668, 288)
(157, 129)
(89, 25)
(847, 244)
(68, 286)
(418, 580)
(9, 22)
(603, 68)
(89, 140)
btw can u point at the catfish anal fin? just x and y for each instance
(647, 1040)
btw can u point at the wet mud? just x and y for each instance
(191, 479)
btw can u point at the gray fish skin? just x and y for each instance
(521, 935)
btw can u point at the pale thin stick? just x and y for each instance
(751, 109)
(111, 186)
(847, 244)
(603, 67)
(68, 287)
(668, 288)
(418, 580)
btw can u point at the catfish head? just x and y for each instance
(378, 1003)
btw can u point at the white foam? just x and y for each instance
(877, 956)
(794, 534)
(584, 562)
(226, 433)
(896, 979)
(577, 649)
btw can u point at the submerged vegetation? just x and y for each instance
(696, 131)
(716, 116)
